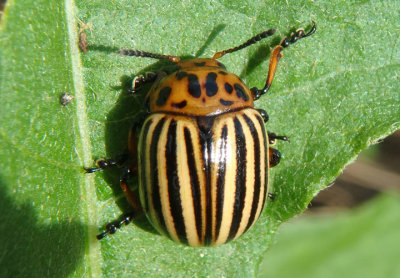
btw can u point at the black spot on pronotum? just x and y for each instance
(225, 102)
(194, 86)
(200, 64)
(179, 104)
(163, 96)
(223, 72)
(221, 65)
(181, 74)
(228, 88)
(211, 84)
(240, 92)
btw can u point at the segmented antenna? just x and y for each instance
(251, 41)
(139, 53)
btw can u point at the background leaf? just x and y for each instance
(335, 93)
(362, 243)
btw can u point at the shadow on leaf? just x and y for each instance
(30, 249)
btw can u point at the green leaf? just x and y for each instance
(335, 93)
(361, 243)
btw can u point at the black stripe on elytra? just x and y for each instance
(223, 72)
(211, 84)
(206, 139)
(222, 150)
(174, 193)
(194, 181)
(179, 104)
(240, 92)
(225, 102)
(265, 141)
(181, 74)
(155, 137)
(163, 96)
(228, 88)
(240, 178)
(200, 64)
(194, 86)
(257, 180)
(143, 162)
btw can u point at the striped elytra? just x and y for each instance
(203, 185)
(203, 154)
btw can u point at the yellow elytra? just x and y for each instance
(203, 154)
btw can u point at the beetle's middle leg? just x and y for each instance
(276, 55)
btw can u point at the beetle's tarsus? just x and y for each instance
(111, 228)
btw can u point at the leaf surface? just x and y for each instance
(335, 93)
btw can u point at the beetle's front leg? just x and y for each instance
(276, 55)
(140, 80)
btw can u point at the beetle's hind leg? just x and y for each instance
(111, 228)
(103, 164)
(276, 55)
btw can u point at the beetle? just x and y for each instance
(203, 155)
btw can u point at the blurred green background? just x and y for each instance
(351, 229)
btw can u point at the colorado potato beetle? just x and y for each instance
(203, 154)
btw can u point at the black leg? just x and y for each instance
(111, 228)
(272, 137)
(104, 164)
(271, 196)
(274, 157)
(263, 114)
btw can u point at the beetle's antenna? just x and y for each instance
(251, 41)
(139, 53)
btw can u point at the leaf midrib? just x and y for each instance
(82, 141)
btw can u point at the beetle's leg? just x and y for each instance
(274, 157)
(263, 114)
(140, 80)
(111, 228)
(272, 137)
(132, 148)
(104, 164)
(130, 196)
(276, 55)
(271, 196)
